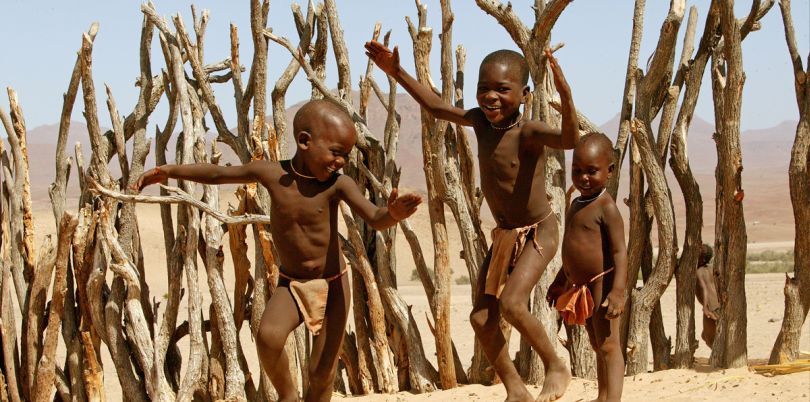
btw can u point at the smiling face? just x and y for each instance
(591, 166)
(325, 135)
(501, 91)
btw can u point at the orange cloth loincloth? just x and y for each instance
(310, 295)
(507, 245)
(576, 304)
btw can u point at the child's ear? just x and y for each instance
(610, 169)
(526, 92)
(303, 139)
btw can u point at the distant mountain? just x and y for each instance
(766, 154)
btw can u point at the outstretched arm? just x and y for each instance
(399, 207)
(615, 229)
(205, 173)
(388, 61)
(568, 134)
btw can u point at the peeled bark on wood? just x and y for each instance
(375, 308)
(8, 327)
(44, 378)
(797, 289)
(34, 317)
(93, 374)
(685, 343)
(664, 267)
(13, 185)
(234, 377)
(730, 347)
(433, 153)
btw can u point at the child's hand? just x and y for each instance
(151, 176)
(614, 304)
(387, 60)
(556, 289)
(402, 207)
(710, 313)
(553, 293)
(559, 78)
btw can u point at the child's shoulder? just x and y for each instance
(608, 207)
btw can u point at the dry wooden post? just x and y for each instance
(22, 177)
(644, 299)
(628, 98)
(730, 347)
(685, 344)
(13, 184)
(34, 316)
(651, 96)
(8, 335)
(433, 155)
(376, 317)
(797, 289)
(44, 378)
(22, 232)
(234, 378)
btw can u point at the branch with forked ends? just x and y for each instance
(363, 139)
(179, 197)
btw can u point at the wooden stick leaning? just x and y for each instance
(178, 196)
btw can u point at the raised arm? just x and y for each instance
(615, 231)
(388, 61)
(568, 134)
(205, 173)
(398, 208)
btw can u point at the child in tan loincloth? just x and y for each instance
(305, 192)
(589, 290)
(512, 166)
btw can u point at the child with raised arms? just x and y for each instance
(512, 165)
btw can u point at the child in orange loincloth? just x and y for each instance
(594, 262)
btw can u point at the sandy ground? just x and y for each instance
(765, 306)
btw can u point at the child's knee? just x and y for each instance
(608, 346)
(478, 320)
(511, 308)
(271, 339)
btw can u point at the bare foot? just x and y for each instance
(555, 384)
(526, 397)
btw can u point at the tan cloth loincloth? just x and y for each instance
(576, 304)
(310, 295)
(507, 245)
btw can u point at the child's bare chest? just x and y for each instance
(500, 158)
(299, 207)
(584, 222)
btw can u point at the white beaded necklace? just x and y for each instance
(579, 199)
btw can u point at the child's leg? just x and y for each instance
(514, 307)
(600, 362)
(709, 330)
(280, 317)
(608, 346)
(484, 319)
(326, 346)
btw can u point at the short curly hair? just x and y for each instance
(510, 58)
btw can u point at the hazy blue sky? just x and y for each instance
(40, 40)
